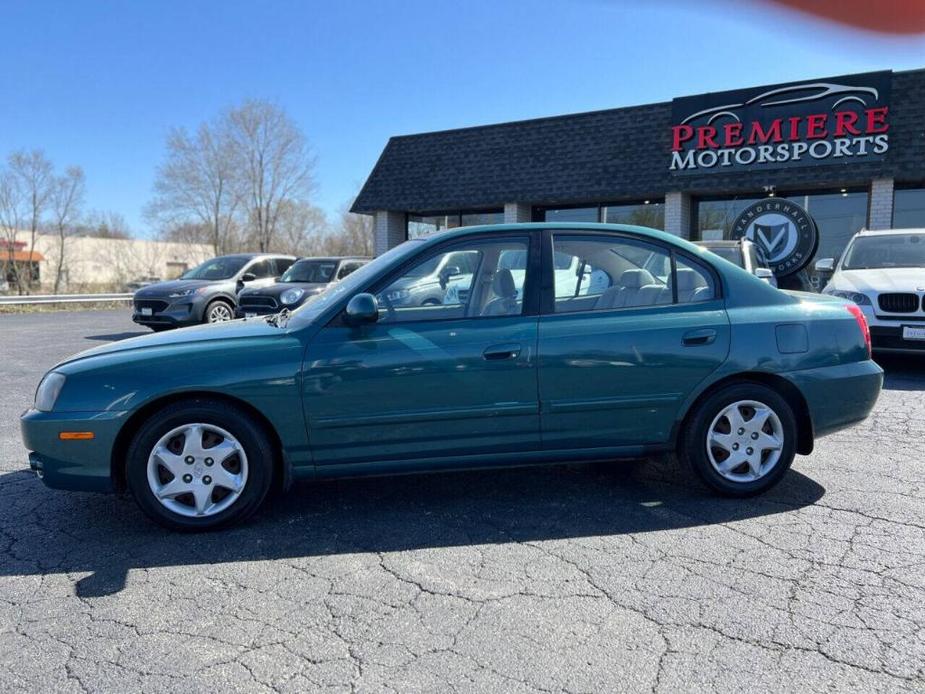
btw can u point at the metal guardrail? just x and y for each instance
(27, 299)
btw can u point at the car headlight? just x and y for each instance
(397, 295)
(47, 392)
(856, 297)
(185, 292)
(290, 296)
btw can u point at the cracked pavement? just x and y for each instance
(629, 577)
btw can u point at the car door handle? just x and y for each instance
(499, 352)
(704, 336)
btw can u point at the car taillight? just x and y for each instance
(862, 324)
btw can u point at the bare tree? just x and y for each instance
(66, 201)
(302, 229)
(27, 186)
(273, 165)
(355, 233)
(194, 185)
(10, 223)
(105, 224)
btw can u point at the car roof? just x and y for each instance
(250, 256)
(720, 243)
(332, 257)
(887, 232)
(536, 227)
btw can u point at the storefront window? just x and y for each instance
(646, 214)
(909, 208)
(838, 217)
(572, 214)
(420, 225)
(471, 219)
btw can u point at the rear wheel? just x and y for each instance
(741, 440)
(199, 465)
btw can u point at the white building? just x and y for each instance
(97, 264)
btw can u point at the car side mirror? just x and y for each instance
(825, 265)
(446, 273)
(361, 309)
(248, 277)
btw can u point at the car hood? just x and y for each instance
(171, 287)
(237, 329)
(275, 290)
(897, 279)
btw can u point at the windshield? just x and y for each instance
(351, 283)
(319, 271)
(216, 269)
(885, 251)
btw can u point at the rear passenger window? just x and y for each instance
(695, 282)
(606, 273)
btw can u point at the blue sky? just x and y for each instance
(100, 83)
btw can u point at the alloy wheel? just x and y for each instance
(219, 313)
(197, 470)
(744, 441)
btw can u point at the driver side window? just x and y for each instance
(475, 279)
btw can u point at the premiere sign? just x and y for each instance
(840, 120)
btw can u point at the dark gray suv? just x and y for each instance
(208, 292)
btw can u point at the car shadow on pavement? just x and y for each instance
(902, 371)
(49, 531)
(114, 337)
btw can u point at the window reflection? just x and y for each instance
(909, 208)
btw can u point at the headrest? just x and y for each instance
(503, 284)
(634, 279)
(689, 279)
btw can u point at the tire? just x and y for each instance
(218, 311)
(191, 500)
(715, 463)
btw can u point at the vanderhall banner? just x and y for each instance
(829, 121)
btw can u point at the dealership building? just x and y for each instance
(848, 151)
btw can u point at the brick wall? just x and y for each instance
(388, 230)
(880, 213)
(678, 214)
(517, 212)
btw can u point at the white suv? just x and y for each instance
(883, 272)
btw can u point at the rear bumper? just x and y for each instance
(839, 396)
(82, 465)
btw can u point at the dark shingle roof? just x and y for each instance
(598, 156)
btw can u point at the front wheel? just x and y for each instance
(741, 440)
(199, 465)
(218, 312)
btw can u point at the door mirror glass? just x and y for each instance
(825, 265)
(362, 308)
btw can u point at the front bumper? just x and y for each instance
(82, 465)
(243, 312)
(886, 332)
(839, 396)
(178, 314)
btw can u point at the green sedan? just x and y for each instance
(547, 343)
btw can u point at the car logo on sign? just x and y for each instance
(783, 230)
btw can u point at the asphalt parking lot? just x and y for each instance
(570, 578)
